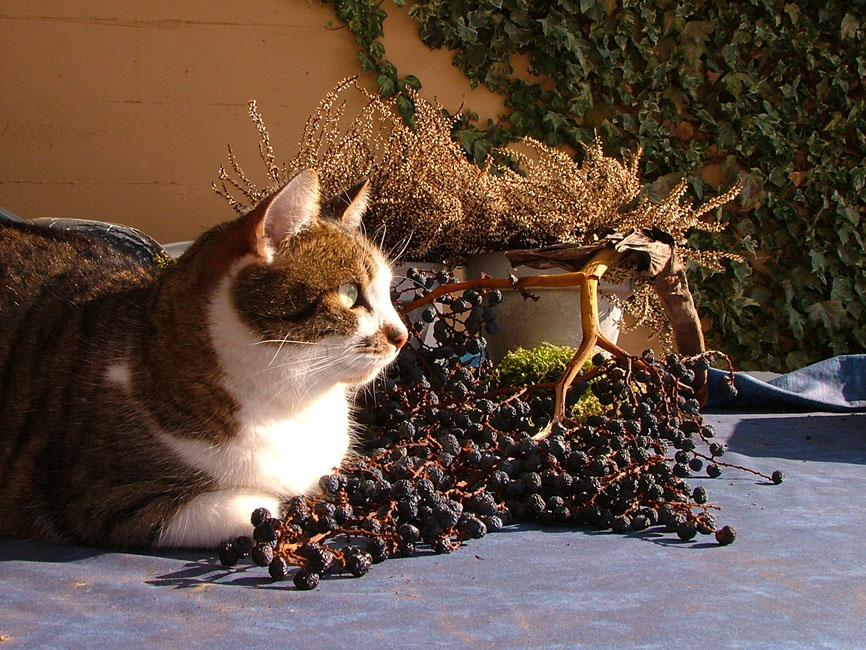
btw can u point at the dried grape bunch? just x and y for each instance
(448, 458)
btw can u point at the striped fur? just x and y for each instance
(142, 407)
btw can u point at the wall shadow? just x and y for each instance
(815, 436)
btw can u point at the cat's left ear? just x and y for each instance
(291, 209)
(349, 205)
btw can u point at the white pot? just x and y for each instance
(553, 318)
(176, 249)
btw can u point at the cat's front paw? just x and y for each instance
(213, 517)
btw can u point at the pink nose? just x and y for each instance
(396, 336)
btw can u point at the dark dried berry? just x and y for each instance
(358, 563)
(471, 527)
(332, 483)
(377, 549)
(306, 580)
(686, 530)
(726, 535)
(278, 568)
(319, 558)
(260, 516)
(243, 545)
(229, 555)
(262, 554)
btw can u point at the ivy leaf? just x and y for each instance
(765, 125)
(554, 120)
(497, 74)
(377, 50)
(388, 69)
(798, 359)
(387, 86)
(746, 227)
(819, 263)
(796, 321)
(843, 290)
(407, 109)
(858, 175)
(849, 26)
(412, 82)
(466, 33)
(829, 313)
(734, 82)
(366, 61)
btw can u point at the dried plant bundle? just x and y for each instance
(430, 201)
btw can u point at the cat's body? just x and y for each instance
(140, 407)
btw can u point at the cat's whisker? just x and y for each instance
(380, 234)
(310, 368)
(404, 246)
(285, 340)
(277, 351)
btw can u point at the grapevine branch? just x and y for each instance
(573, 279)
(593, 271)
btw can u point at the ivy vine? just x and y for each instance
(764, 90)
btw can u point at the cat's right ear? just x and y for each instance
(291, 209)
(349, 205)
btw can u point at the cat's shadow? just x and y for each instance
(200, 567)
(23, 550)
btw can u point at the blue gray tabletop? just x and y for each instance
(794, 578)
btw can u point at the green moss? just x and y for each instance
(539, 365)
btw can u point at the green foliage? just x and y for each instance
(770, 92)
(544, 364)
(365, 20)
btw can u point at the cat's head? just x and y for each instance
(306, 289)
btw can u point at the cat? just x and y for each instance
(148, 407)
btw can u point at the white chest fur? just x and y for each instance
(279, 457)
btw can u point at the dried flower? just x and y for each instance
(428, 199)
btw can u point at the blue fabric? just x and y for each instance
(793, 579)
(834, 385)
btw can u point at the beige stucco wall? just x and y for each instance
(121, 110)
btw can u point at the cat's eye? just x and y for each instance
(349, 294)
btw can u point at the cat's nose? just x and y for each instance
(397, 336)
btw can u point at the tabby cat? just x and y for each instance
(147, 407)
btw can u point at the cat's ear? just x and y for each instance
(349, 205)
(291, 209)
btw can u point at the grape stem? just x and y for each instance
(575, 278)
